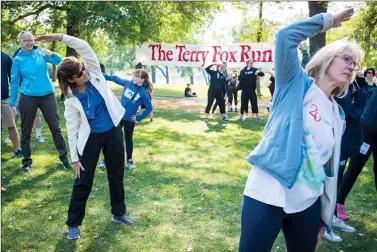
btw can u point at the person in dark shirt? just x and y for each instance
(248, 84)
(7, 117)
(188, 92)
(216, 90)
(371, 87)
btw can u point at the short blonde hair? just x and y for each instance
(23, 34)
(321, 61)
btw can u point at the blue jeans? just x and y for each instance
(261, 224)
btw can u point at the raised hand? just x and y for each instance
(49, 38)
(342, 16)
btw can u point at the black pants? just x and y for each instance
(261, 224)
(111, 142)
(190, 95)
(219, 96)
(355, 166)
(248, 94)
(232, 93)
(28, 106)
(128, 129)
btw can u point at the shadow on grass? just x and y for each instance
(64, 244)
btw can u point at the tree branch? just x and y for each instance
(37, 12)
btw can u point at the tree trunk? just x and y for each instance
(72, 28)
(318, 41)
(259, 37)
(205, 76)
(53, 47)
(192, 76)
(153, 70)
(167, 74)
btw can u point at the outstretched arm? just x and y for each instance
(287, 40)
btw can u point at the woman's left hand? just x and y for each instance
(133, 118)
(49, 37)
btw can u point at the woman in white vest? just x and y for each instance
(92, 114)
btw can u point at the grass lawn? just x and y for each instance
(184, 195)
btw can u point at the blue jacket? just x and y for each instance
(280, 151)
(142, 97)
(6, 65)
(33, 69)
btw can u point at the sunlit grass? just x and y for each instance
(184, 195)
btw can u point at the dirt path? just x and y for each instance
(193, 103)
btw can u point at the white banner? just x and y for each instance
(185, 55)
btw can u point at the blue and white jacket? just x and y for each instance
(280, 151)
(139, 94)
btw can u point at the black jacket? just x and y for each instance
(369, 118)
(248, 78)
(353, 105)
(218, 80)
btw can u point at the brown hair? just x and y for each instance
(141, 73)
(68, 68)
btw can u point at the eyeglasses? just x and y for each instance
(369, 72)
(78, 76)
(349, 61)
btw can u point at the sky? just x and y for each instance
(231, 17)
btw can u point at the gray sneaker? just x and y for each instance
(340, 224)
(130, 164)
(123, 220)
(40, 139)
(73, 233)
(102, 164)
(331, 236)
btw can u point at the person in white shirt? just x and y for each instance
(292, 183)
(92, 114)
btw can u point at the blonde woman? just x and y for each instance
(292, 183)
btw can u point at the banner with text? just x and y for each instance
(185, 55)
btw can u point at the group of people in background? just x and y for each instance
(297, 181)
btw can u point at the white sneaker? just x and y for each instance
(331, 236)
(130, 164)
(102, 164)
(40, 139)
(340, 224)
(7, 140)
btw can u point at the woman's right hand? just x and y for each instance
(49, 37)
(342, 16)
(78, 167)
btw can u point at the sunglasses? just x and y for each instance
(369, 72)
(78, 76)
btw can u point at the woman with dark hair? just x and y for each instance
(92, 114)
(371, 87)
(136, 92)
(36, 91)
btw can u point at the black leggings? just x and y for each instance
(357, 163)
(261, 224)
(232, 93)
(248, 94)
(128, 129)
(219, 96)
(111, 143)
